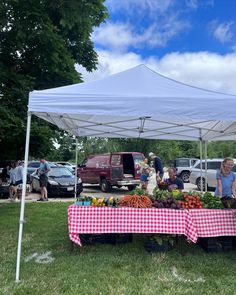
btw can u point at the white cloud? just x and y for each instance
(203, 69)
(120, 36)
(140, 6)
(222, 31)
(192, 3)
(111, 63)
(116, 36)
(142, 23)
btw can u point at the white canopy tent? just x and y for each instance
(135, 103)
(138, 103)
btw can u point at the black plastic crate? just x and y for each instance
(226, 243)
(91, 239)
(153, 246)
(121, 238)
(210, 244)
(234, 242)
(217, 244)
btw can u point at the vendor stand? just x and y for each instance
(91, 220)
(187, 220)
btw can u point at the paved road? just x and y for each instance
(94, 190)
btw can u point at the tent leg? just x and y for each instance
(200, 146)
(205, 154)
(23, 199)
(76, 165)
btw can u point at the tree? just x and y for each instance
(40, 43)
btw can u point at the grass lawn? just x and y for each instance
(102, 269)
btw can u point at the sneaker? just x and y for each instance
(45, 200)
(40, 200)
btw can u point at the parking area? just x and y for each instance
(94, 190)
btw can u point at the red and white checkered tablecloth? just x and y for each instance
(82, 220)
(214, 222)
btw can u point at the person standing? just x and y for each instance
(226, 180)
(144, 177)
(13, 185)
(19, 178)
(157, 166)
(43, 170)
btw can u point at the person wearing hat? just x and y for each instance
(157, 166)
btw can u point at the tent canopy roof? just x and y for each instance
(138, 103)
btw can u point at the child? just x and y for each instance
(144, 170)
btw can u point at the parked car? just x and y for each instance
(4, 178)
(4, 188)
(112, 169)
(68, 165)
(212, 166)
(61, 182)
(183, 167)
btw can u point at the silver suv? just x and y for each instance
(212, 166)
(183, 167)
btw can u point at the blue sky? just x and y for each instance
(193, 41)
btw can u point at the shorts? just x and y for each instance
(144, 177)
(18, 182)
(43, 180)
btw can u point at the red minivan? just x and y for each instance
(112, 169)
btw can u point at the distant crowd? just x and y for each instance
(14, 173)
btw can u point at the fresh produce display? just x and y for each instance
(139, 191)
(101, 202)
(191, 202)
(139, 198)
(135, 201)
(169, 202)
(160, 194)
(228, 203)
(211, 202)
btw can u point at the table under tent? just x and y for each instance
(136, 103)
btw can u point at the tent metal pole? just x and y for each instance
(205, 153)
(200, 146)
(22, 209)
(76, 166)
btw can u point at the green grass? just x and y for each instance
(102, 269)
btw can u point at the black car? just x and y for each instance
(61, 182)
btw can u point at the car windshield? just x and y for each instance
(57, 172)
(182, 162)
(138, 159)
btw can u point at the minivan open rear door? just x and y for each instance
(116, 167)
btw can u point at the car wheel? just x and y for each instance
(198, 183)
(185, 176)
(131, 187)
(105, 185)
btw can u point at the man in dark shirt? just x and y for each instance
(173, 181)
(157, 166)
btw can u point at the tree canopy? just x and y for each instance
(40, 43)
